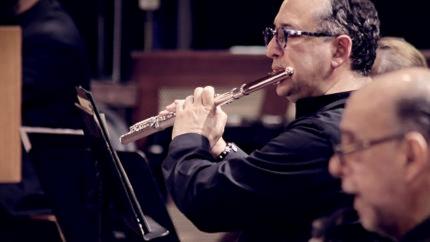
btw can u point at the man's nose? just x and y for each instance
(335, 166)
(273, 50)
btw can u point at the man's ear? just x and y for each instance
(341, 50)
(416, 155)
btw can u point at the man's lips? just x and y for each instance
(280, 69)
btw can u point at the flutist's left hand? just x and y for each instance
(198, 114)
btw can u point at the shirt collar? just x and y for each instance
(311, 105)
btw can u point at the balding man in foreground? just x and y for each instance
(384, 157)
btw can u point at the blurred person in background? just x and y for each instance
(396, 53)
(383, 158)
(54, 61)
(343, 225)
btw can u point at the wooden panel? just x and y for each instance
(115, 95)
(156, 70)
(10, 104)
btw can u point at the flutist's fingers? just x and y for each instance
(171, 107)
(204, 96)
(208, 95)
(164, 112)
(197, 114)
(189, 100)
(198, 95)
(179, 105)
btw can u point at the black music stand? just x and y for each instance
(85, 190)
(112, 172)
(67, 174)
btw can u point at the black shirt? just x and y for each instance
(421, 233)
(54, 63)
(272, 194)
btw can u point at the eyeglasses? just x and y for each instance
(342, 150)
(283, 33)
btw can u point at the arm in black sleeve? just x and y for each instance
(287, 179)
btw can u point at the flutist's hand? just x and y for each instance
(198, 114)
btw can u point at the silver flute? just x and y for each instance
(157, 123)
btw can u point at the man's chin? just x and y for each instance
(279, 92)
(287, 94)
(282, 90)
(367, 217)
(367, 221)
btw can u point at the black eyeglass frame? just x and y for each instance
(269, 33)
(341, 151)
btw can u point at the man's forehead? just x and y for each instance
(300, 13)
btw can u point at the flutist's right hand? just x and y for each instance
(198, 114)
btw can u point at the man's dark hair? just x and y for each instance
(359, 20)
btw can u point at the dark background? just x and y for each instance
(217, 24)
